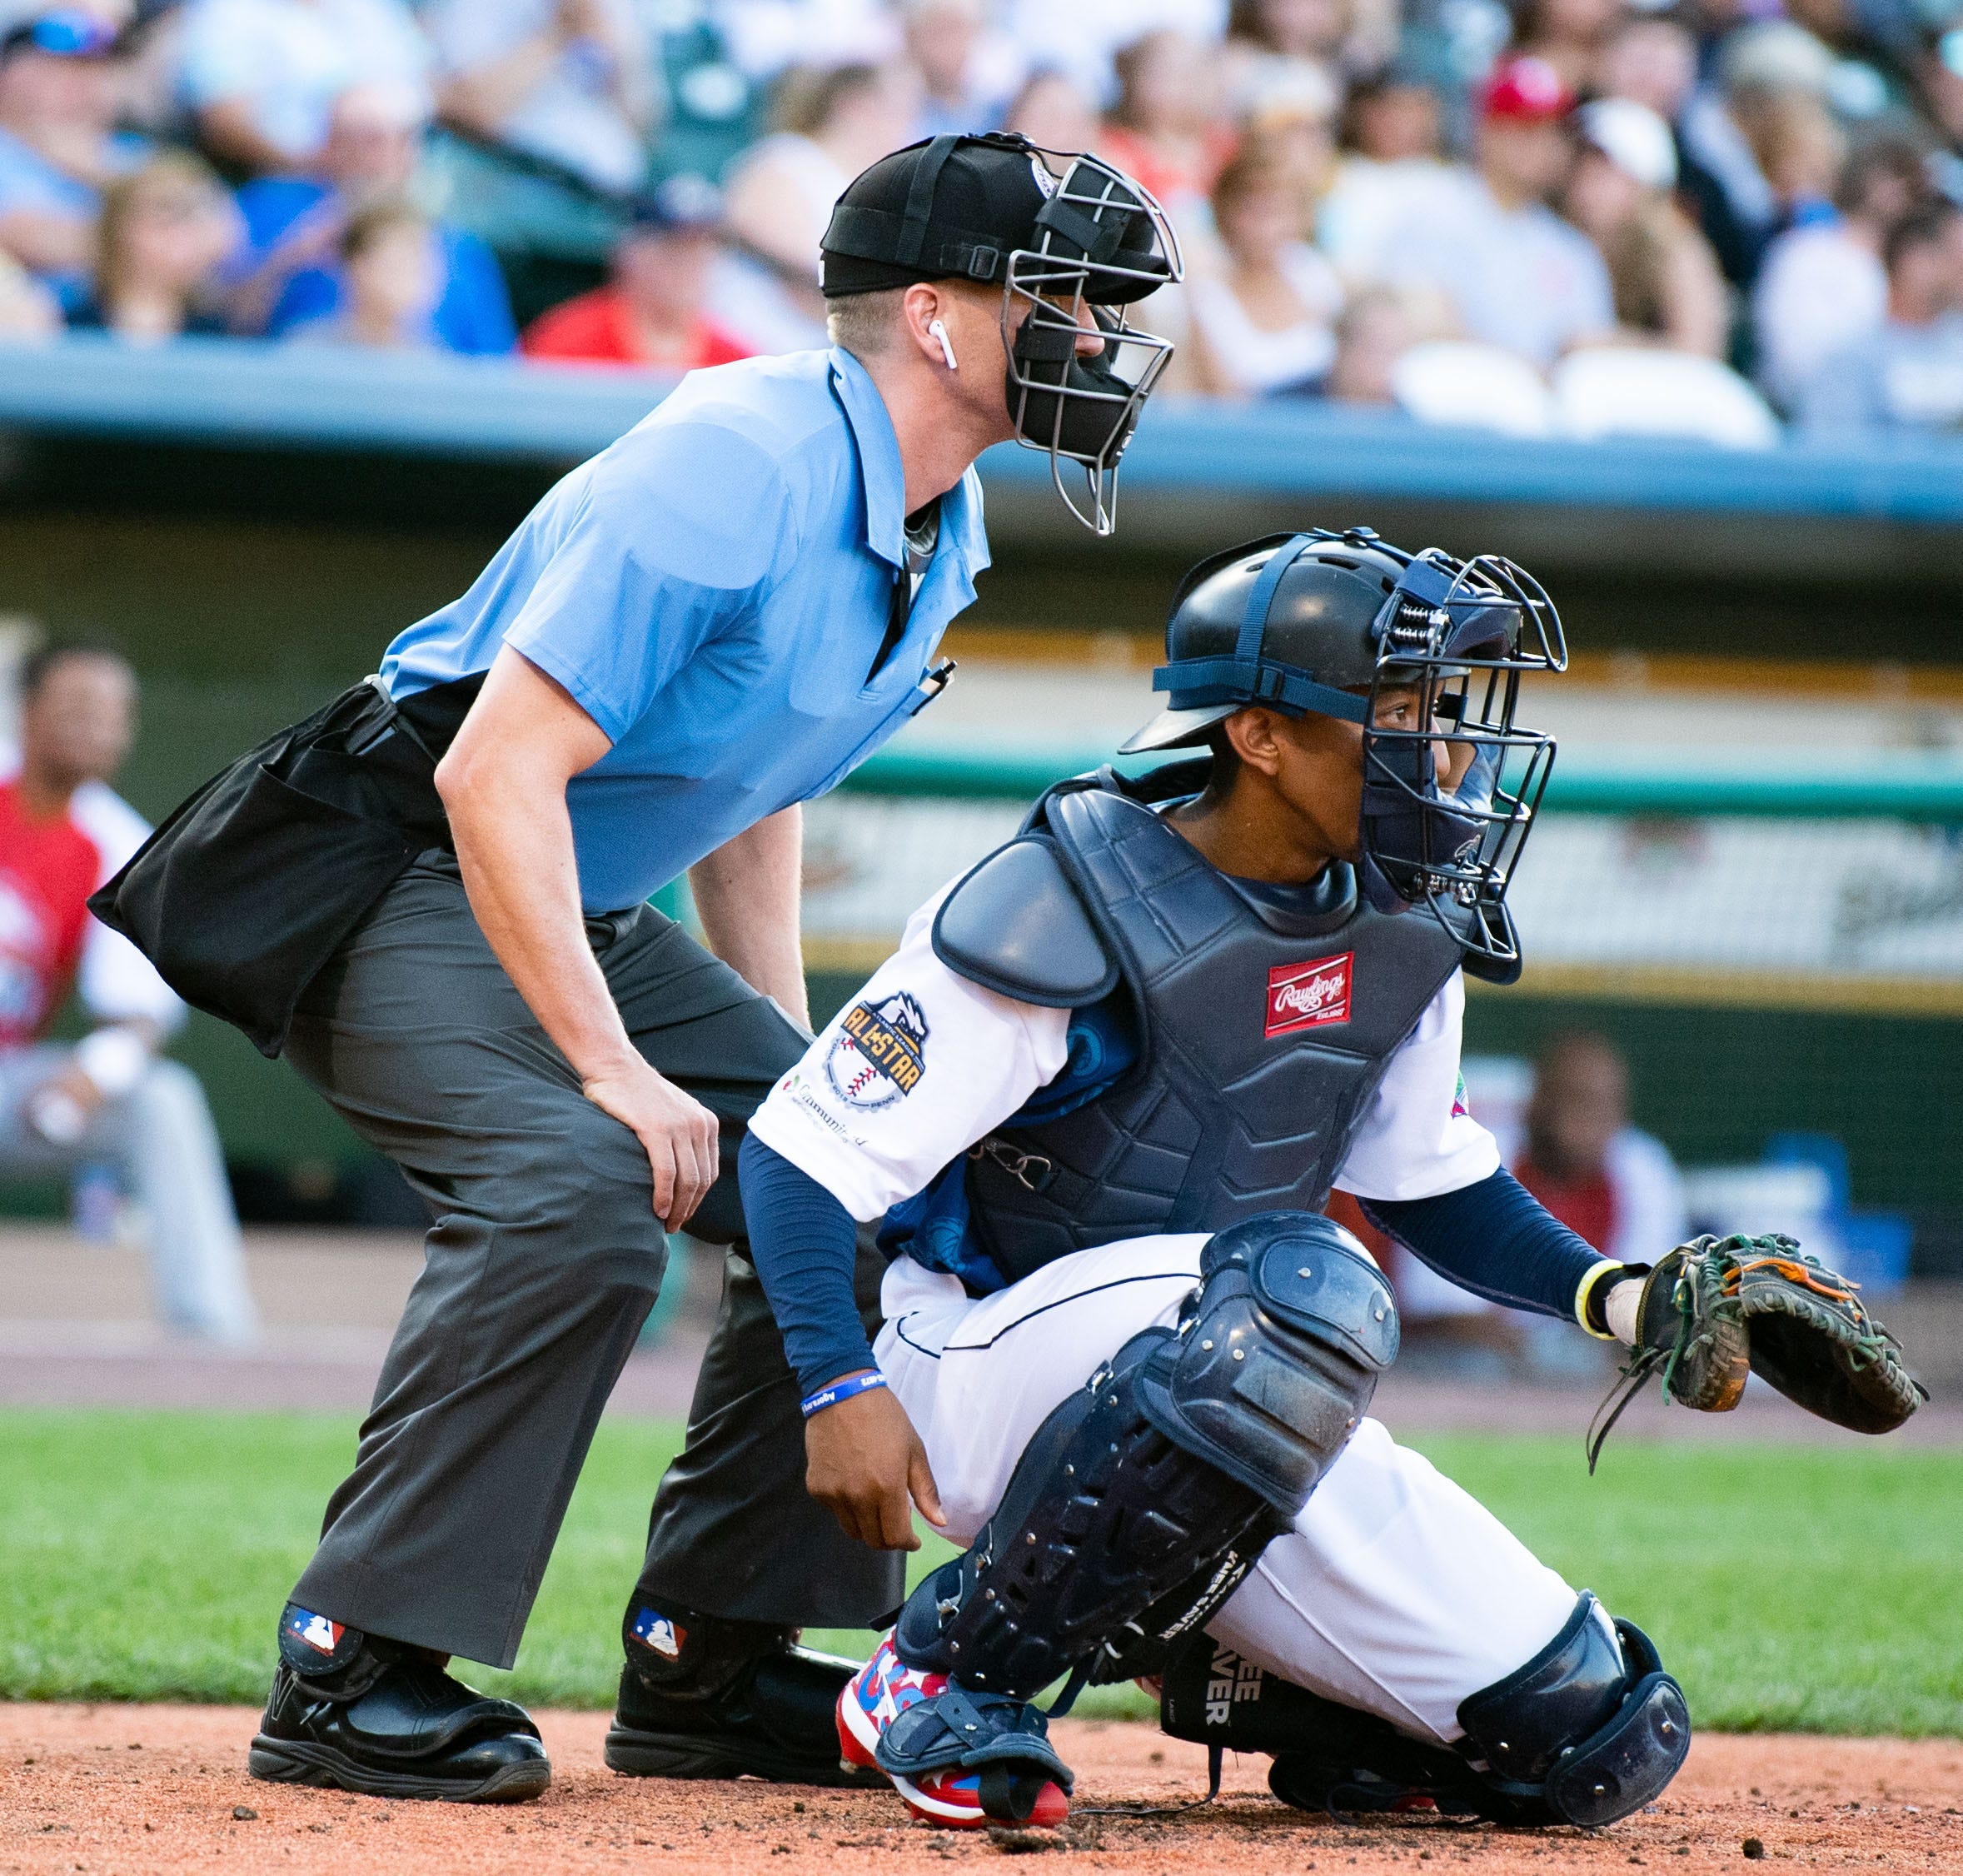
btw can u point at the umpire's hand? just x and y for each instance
(864, 1461)
(681, 1136)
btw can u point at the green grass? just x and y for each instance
(144, 1556)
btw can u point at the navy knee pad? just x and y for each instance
(1272, 1374)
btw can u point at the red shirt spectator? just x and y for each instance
(650, 313)
(600, 329)
(1605, 1180)
(49, 867)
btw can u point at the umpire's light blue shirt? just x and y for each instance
(713, 589)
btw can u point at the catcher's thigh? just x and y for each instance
(1397, 1592)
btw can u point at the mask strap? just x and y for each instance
(1253, 624)
(919, 199)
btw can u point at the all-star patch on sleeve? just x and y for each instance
(915, 1069)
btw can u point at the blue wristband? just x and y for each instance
(831, 1396)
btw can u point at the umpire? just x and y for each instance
(431, 896)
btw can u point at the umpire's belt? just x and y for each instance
(248, 887)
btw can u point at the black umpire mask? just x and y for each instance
(1072, 241)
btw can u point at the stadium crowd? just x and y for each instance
(1588, 216)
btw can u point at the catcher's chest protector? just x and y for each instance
(1259, 1050)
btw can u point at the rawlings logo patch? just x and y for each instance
(880, 1053)
(1306, 996)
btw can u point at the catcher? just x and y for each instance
(1100, 1095)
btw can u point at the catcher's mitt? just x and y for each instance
(1718, 1310)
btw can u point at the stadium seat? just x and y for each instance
(1634, 390)
(1455, 381)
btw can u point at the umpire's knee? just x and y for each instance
(591, 1201)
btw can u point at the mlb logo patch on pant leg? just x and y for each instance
(653, 1629)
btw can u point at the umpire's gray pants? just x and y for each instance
(544, 1260)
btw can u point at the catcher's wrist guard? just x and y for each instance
(1718, 1310)
(1592, 1295)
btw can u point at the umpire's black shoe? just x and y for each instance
(702, 1697)
(363, 1713)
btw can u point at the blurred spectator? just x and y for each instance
(1052, 111)
(289, 271)
(1391, 172)
(1720, 133)
(1650, 60)
(1907, 374)
(1608, 1182)
(261, 76)
(58, 146)
(1292, 121)
(767, 38)
(63, 832)
(650, 313)
(832, 124)
(969, 69)
(165, 231)
(1822, 284)
(1519, 276)
(28, 309)
(1667, 287)
(1262, 327)
(567, 81)
(1085, 38)
(1165, 126)
(1272, 42)
(1372, 332)
(1801, 151)
(1571, 36)
(1940, 75)
(390, 280)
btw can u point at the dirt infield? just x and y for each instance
(116, 1788)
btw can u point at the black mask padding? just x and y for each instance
(1120, 237)
(1409, 826)
(1099, 410)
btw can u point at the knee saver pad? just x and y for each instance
(1270, 1375)
(1591, 1728)
(1104, 1515)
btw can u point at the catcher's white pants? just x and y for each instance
(1395, 1592)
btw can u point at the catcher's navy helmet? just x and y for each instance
(1323, 623)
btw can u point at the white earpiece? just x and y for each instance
(947, 351)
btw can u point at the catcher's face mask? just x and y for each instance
(1461, 635)
(1101, 241)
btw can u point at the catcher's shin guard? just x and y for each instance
(1166, 1475)
(1103, 1515)
(1589, 1730)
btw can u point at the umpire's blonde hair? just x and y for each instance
(864, 324)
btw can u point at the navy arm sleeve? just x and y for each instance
(804, 1244)
(1494, 1238)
